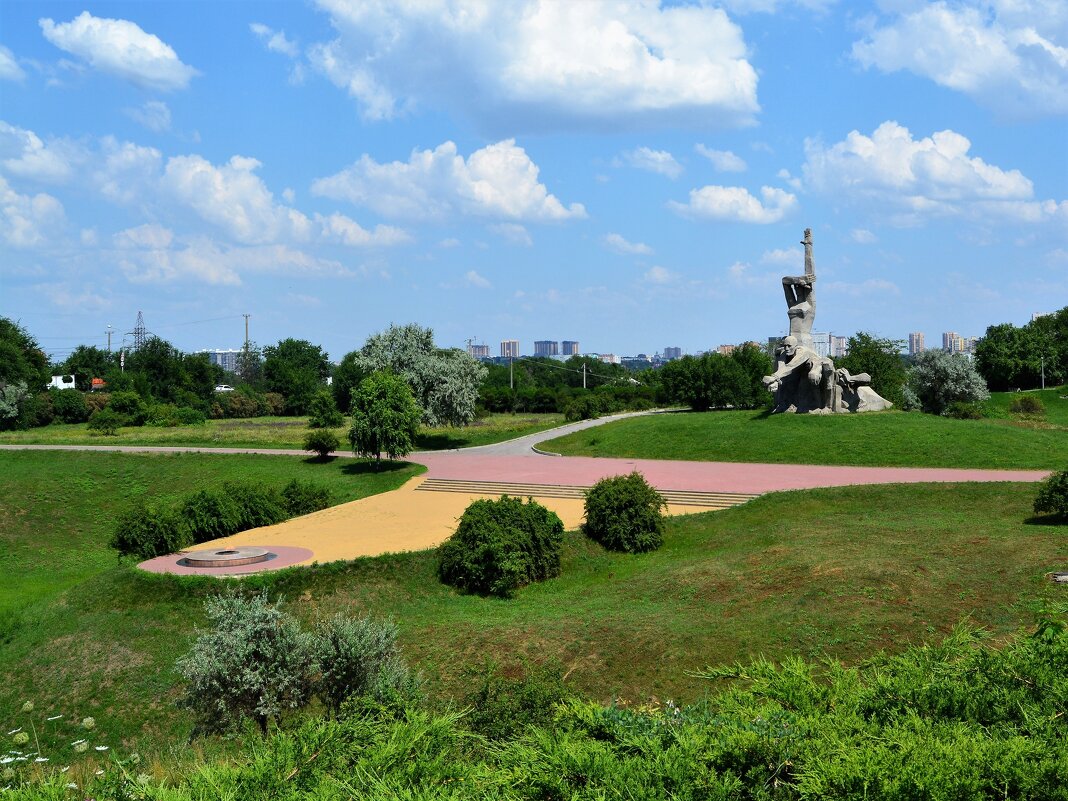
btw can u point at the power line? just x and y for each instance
(572, 369)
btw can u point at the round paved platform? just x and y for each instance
(283, 556)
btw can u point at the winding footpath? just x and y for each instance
(412, 518)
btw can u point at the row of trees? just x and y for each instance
(1015, 358)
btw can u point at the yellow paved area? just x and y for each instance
(401, 520)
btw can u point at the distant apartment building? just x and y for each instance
(952, 342)
(479, 351)
(226, 359)
(672, 353)
(726, 350)
(839, 347)
(569, 348)
(916, 343)
(610, 358)
(821, 342)
(772, 346)
(510, 348)
(546, 347)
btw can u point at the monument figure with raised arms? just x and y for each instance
(804, 381)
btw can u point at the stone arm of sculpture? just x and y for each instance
(798, 288)
(796, 361)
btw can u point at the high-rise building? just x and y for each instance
(510, 348)
(226, 359)
(725, 350)
(839, 347)
(546, 347)
(821, 342)
(952, 342)
(916, 343)
(672, 353)
(480, 351)
(569, 348)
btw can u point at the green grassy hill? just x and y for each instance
(844, 571)
(882, 439)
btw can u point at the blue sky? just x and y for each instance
(633, 175)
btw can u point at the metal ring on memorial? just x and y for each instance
(226, 557)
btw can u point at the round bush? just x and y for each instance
(69, 405)
(210, 514)
(149, 531)
(257, 505)
(624, 513)
(106, 421)
(500, 546)
(321, 441)
(357, 657)
(1053, 496)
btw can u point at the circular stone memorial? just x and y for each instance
(226, 557)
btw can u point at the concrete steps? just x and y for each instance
(708, 500)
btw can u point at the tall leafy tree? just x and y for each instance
(756, 364)
(1015, 358)
(444, 382)
(21, 358)
(161, 365)
(706, 382)
(87, 362)
(385, 417)
(347, 376)
(296, 369)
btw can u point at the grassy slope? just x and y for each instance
(279, 432)
(57, 510)
(847, 571)
(889, 438)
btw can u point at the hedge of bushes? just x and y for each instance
(155, 529)
(501, 545)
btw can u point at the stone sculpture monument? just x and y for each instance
(804, 381)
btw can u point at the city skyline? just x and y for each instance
(621, 173)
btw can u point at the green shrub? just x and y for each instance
(500, 546)
(944, 381)
(961, 410)
(256, 505)
(162, 415)
(1052, 496)
(359, 657)
(130, 406)
(188, 416)
(304, 497)
(321, 441)
(69, 405)
(502, 708)
(585, 407)
(275, 403)
(624, 513)
(106, 421)
(210, 514)
(148, 531)
(1027, 404)
(323, 411)
(254, 662)
(95, 401)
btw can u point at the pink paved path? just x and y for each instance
(694, 476)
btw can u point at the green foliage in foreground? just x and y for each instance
(1052, 497)
(625, 513)
(891, 439)
(952, 720)
(501, 546)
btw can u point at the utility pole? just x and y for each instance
(584, 375)
(109, 337)
(511, 380)
(1043, 362)
(246, 332)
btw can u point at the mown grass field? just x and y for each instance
(279, 432)
(845, 571)
(882, 439)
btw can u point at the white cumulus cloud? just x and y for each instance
(514, 233)
(542, 63)
(275, 41)
(29, 221)
(153, 114)
(9, 66)
(1009, 55)
(499, 181)
(24, 154)
(722, 160)
(659, 275)
(658, 161)
(735, 204)
(476, 280)
(929, 176)
(617, 243)
(121, 48)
